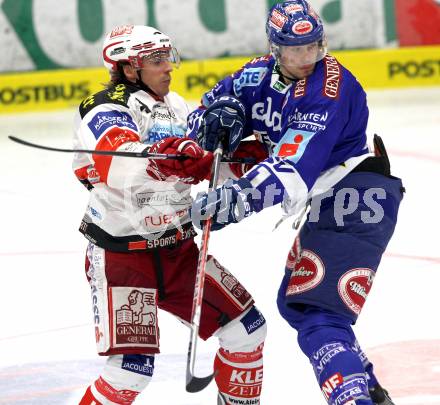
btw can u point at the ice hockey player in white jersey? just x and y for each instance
(141, 254)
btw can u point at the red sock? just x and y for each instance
(89, 398)
(239, 376)
(106, 391)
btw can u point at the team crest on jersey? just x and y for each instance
(308, 273)
(232, 287)
(293, 144)
(134, 314)
(354, 286)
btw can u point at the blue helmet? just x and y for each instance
(293, 23)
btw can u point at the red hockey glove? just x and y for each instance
(248, 149)
(191, 171)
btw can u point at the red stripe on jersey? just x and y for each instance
(81, 173)
(112, 140)
(137, 245)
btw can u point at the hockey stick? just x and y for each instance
(193, 383)
(143, 154)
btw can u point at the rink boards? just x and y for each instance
(59, 89)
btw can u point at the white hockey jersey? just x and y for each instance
(125, 202)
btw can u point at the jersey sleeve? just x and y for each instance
(223, 87)
(111, 127)
(236, 84)
(335, 131)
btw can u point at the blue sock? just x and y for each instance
(327, 339)
(368, 366)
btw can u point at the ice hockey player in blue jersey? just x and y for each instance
(311, 115)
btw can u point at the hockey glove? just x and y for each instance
(227, 204)
(225, 115)
(247, 149)
(191, 171)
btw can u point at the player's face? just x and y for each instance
(156, 73)
(299, 61)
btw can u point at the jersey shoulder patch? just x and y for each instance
(114, 94)
(251, 74)
(261, 60)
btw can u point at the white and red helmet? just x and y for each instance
(132, 43)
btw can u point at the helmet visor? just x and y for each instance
(158, 56)
(299, 56)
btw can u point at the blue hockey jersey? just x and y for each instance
(314, 129)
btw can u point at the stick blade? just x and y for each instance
(18, 140)
(196, 384)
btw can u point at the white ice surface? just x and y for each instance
(47, 350)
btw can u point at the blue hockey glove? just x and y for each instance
(227, 204)
(226, 113)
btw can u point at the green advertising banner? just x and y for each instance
(51, 34)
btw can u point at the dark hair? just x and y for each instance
(117, 77)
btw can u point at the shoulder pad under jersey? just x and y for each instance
(261, 60)
(114, 94)
(251, 74)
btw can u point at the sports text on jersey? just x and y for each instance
(103, 120)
